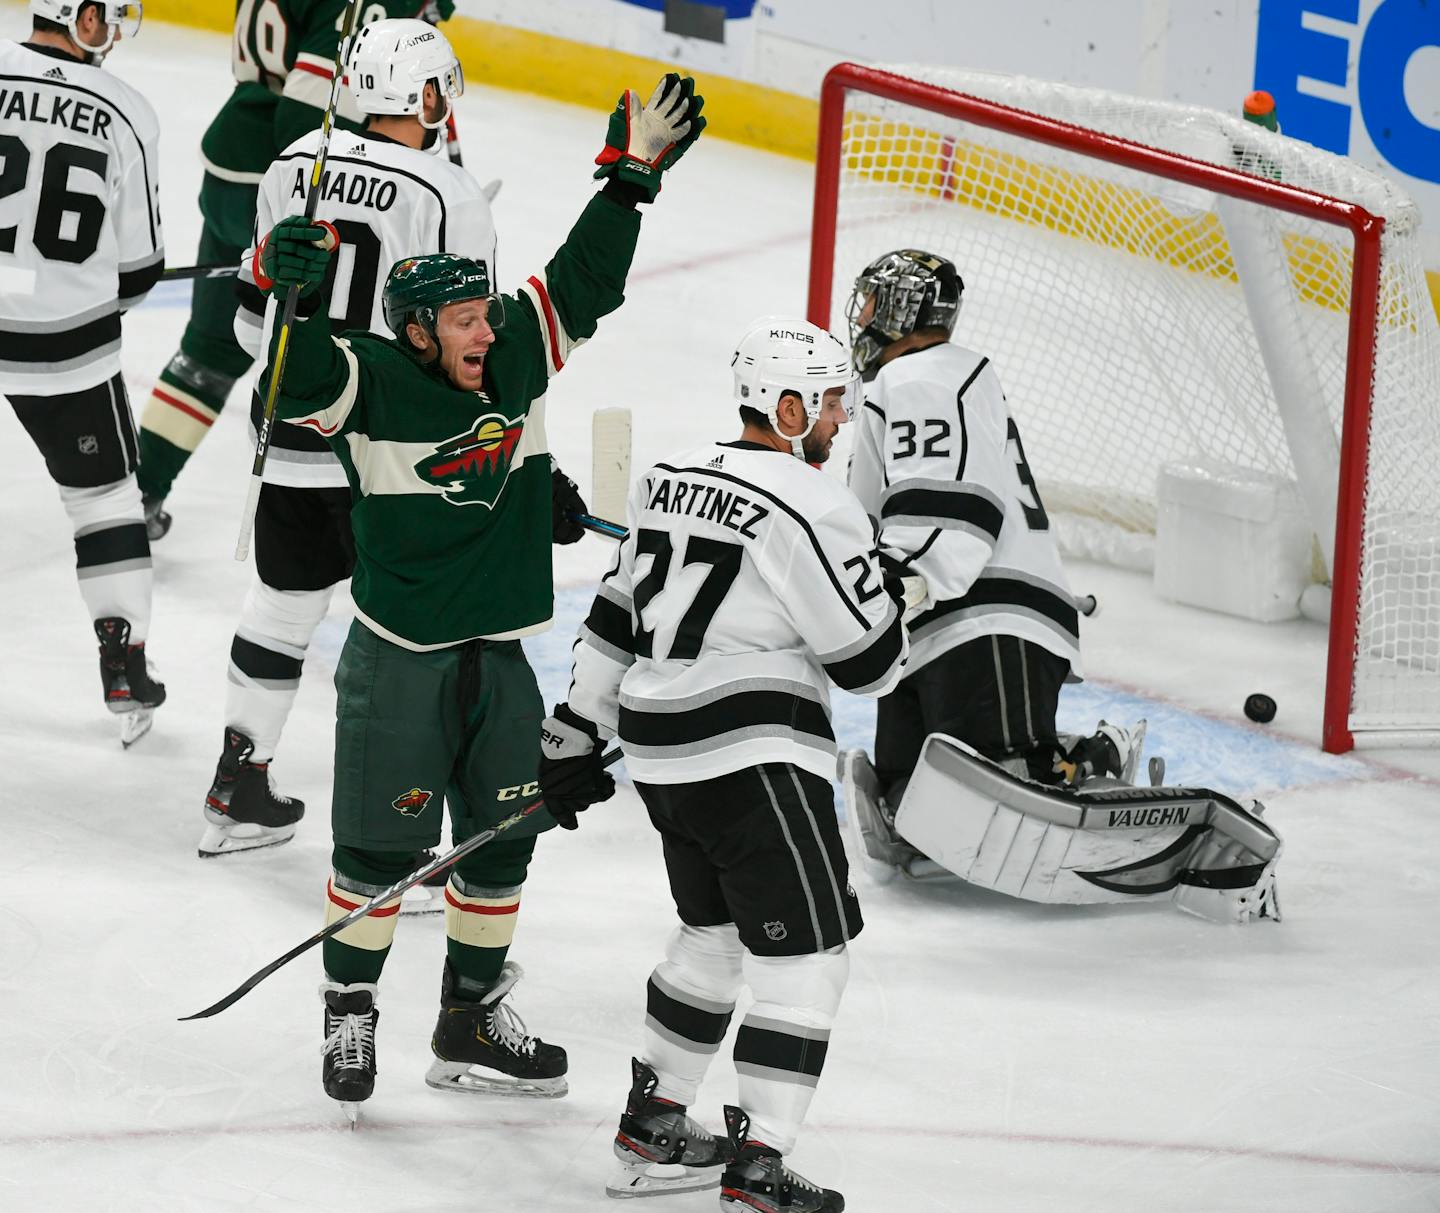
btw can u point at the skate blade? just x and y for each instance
(227, 839)
(352, 1113)
(642, 1178)
(475, 1080)
(134, 724)
(418, 900)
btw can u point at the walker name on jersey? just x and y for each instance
(710, 502)
(78, 116)
(349, 187)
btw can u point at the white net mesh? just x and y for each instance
(1109, 300)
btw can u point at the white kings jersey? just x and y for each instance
(388, 202)
(749, 582)
(939, 464)
(79, 219)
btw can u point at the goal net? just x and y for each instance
(1162, 283)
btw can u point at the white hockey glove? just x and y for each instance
(908, 588)
(642, 142)
(572, 776)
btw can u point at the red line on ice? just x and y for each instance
(369, 1125)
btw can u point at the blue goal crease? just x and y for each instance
(1238, 759)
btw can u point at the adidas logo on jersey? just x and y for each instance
(54, 74)
(717, 462)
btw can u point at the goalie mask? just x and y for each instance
(392, 61)
(121, 18)
(896, 294)
(780, 355)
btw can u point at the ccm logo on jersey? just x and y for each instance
(520, 789)
(710, 502)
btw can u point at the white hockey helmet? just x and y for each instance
(122, 16)
(390, 63)
(781, 354)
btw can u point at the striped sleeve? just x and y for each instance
(141, 243)
(319, 370)
(558, 343)
(832, 585)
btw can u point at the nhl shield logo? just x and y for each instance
(411, 803)
(472, 468)
(775, 931)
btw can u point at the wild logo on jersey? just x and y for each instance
(472, 468)
(411, 803)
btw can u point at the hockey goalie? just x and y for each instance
(1101, 841)
(970, 773)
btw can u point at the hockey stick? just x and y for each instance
(437, 865)
(181, 272)
(611, 530)
(292, 296)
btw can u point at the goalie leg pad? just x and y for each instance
(1112, 844)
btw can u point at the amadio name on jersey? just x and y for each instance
(349, 187)
(69, 112)
(710, 502)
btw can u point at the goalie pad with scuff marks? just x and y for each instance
(1106, 843)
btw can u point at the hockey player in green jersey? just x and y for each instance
(441, 431)
(283, 58)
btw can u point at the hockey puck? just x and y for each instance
(1260, 707)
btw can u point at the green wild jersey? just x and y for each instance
(452, 488)
(282, 54)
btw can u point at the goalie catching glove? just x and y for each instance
(295, 253)
(572, 771)
(643, 141)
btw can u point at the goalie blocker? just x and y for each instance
(1108, 842)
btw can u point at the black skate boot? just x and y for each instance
(427, 897)
(483, 1046)
(660, 1148)
(130, 691)
(157, 518)
(756, 1176)
(348, 1071)
(243, 811)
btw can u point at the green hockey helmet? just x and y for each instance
(418, 287)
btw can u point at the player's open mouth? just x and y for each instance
(474, 361)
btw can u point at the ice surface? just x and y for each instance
(990, 1055)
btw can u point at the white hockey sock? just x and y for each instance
(112, 554)
(689, 1001)
(266, 658)
(780, 1048)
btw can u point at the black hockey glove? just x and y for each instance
(907, 587)
(295, 253)
(572, 776)
(643, 141)
(565, 501)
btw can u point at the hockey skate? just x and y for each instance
(1111, 753)
(131, 691)
(157, 518)
(880, 850)
(482, 1046)
(756, 1176)
(661, 1149)
(427, 897)
(242, 810)
(348, 1071)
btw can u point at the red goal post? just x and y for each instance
(876, 160)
